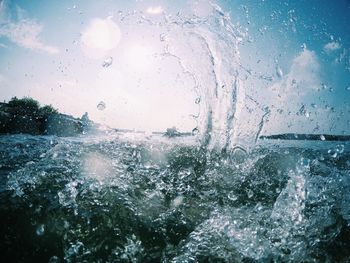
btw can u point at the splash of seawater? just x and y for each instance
(207, 51)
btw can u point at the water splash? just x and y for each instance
(279, 72)
(40, 230)
(264, 119)
(173, 202)
(213, 41)
(101, 106)
(206, 50)
(107, 62)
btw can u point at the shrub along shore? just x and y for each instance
(27, 116)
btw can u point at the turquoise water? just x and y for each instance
(121, 198)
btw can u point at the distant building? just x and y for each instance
(85, 118)
(172, 132)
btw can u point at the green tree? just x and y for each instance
(24, 106)
(47, 110)
(31, 107)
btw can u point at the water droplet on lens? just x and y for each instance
(178, 201)
(195, 131)
(40, 230)
(107, 62)
(250, 193)
(305, 162)
(333, 153)
(238, 154)
(147, 165)
(279, 72)
(302, 110)
(163, 37)
(340, 148)
(54, 259)
(101, 105)
(232, 196)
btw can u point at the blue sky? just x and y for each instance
(295, 59)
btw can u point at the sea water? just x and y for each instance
(137, 198)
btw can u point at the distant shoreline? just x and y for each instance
(27, 116)
(309, 137)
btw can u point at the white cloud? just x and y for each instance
(331, 46)
(305, 70)
(101, 36)
(155, 10)
(304, 75)
(292, 92)
(24, 32)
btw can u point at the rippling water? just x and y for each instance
(121, 198)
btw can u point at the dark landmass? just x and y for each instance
(128, 131)
(173, 132)
(170, 132)
(178, 134)
(27, 116)
(309, 137)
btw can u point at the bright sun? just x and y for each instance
(100, 37)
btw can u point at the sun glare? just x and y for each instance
(101, 36)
